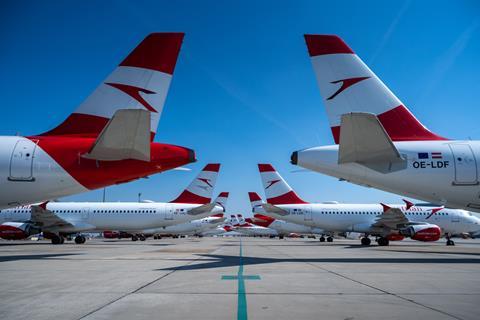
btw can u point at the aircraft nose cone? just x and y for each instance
(294, 158)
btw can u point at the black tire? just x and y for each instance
(56, 240)
(322, 239)
(134, 238)
(329, 239)
(79, 240)
(383, 241)
(450, 242)
(366, 241)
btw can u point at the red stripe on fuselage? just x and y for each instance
(400, 125)
(93, 174)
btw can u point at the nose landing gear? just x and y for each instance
(450, 242)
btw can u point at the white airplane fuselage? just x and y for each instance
(440, 172)
(285, 227)
(99, 216)
(257, 231)
(188, 228)
(28, 174)
(360, 217)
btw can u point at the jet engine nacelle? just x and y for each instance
(423, 232)
(17, 230)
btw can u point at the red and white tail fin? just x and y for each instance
(200, 189)
(141, 81)
(255, 200)
(261, 220)
(276, 189)
(222, 199)
(348, 85)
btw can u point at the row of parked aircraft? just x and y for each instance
(109, 140)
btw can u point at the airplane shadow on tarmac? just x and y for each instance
(212, 261)
(35, 257)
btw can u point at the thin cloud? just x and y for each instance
(390, 30)
(447, 59)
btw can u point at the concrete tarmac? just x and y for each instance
(207, 278)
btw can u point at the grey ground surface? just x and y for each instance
(181, 279)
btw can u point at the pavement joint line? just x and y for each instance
(370, 286)
(143, 286)
(242, 309)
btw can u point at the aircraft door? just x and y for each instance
(169, 212)
(21, 161)
(85, 212)
(465, 164)
(307, 214)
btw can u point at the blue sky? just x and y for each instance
(243, 91)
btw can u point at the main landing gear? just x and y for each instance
(57, 239)
(80, 239)
(382, 241)
(450, 242)
(366, 241)
(329, 239)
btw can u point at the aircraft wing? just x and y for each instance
(126, 136)
(45, 218)
(274, 209)
(201, 209)
(363, 140)
(391, 218)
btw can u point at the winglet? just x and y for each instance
(408, 204)
(385, 207)
(43, 205)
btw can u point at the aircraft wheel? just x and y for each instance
(134, 238)
(322, 239)
(62, 240)
(383, 241)
(329, 239)
(280, 237)
(366, 241)
(80, 239)
(142, 237)
(56, 239)
(450, 242)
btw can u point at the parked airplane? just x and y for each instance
(194, 227)
(59, 219)
(246, 227)
(106, 141)
(380, 142)
(386, 222)
(283, 228)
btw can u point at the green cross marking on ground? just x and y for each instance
(242, 298)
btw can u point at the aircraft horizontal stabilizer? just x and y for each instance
(363, 140)
(274, 209)
(126, 136)
(45, 218)
(201, 209)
